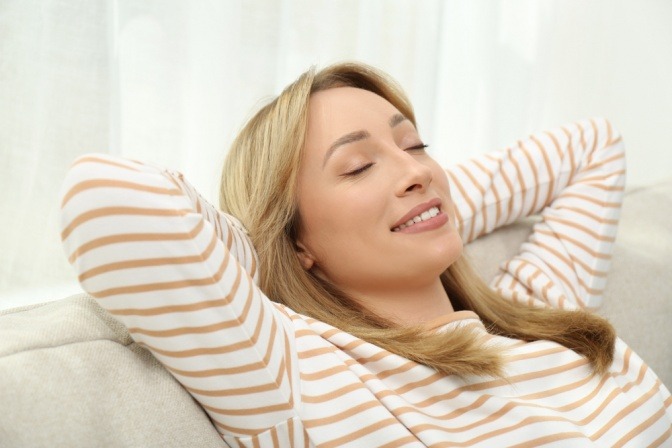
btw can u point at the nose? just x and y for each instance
(414, 176)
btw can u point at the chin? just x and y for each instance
(441, 257)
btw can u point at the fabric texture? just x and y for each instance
(72, 376)
(180, 276)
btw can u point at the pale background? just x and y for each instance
(172, 81)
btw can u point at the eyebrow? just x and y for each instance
(396, 119)
(357, 136)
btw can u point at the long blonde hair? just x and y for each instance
(259, 184)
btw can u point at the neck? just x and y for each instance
(406, 307)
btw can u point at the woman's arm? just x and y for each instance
(168, 266)
(573, 177)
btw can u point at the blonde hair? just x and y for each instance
(259, 184)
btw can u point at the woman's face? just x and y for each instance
(375, 208)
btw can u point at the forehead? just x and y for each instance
(337, 111)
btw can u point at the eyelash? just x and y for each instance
(360, 170)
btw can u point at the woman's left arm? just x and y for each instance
(573, 177)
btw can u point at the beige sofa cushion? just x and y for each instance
(70, 376)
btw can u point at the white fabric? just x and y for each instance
(172, 81)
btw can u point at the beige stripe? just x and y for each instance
(287, 366)
(236, 391)
(132, 264)
(134, 237)
(222, 349)
(564, 237)
(583, 229)
(604, 187)
(235, 430)
(162, 286)
(399, 442)
(112, 183)
(525, 422)
(550, 438)
(274, 436)
(535, 174)
(260, 410)
(313, 353)
(322, 374)
(570, 263)
(603, 162)
(509, 186)
(274, 385)
(290, 432)
(663, 438)
(549, 168)
(521, 182)
(382, 354)
(668, 401)
(537, 354)
(602, 177)
(562, 278)
(624, 412)
(572, 155)
(181, 331)
(575, 385)
(556, 144)
(306, 438)
(95, 159)
(582, 135)
(340, 416)
(588, 214)
(596, 134)
(335, 443)
(157, 311)
(111, 211)
(637, 430)
(333, 394)
(613, 142)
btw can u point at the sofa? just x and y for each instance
(71, 376)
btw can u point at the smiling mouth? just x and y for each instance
(424, 216)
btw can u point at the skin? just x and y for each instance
(363, 170)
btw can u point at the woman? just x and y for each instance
(377, 332)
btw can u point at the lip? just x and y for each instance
(417, 210)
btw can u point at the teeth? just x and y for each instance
(424, 216)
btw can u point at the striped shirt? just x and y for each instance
(183, 278)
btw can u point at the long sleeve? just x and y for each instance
(179, 275)
(573, 177)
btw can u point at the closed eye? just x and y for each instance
(420, 147)
(359, 170)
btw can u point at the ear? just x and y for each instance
(306, 258)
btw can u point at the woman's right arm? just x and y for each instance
(168, 266)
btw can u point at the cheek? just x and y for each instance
(337, 221)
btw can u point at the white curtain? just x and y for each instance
(171, 82)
